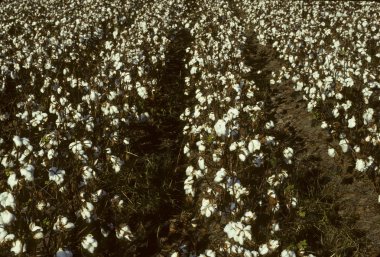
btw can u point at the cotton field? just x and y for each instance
(189, 128)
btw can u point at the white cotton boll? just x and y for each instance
(263, 249)
(294, 202)
(86, 211)
(357, 149)
(186, 149)
(233, 146)
(324, 125)
(220, 175)
(17, 141)
(56, 175)
(12, 180)
(288, 253)
(210, 253)
(254, 145)
(142, 92)
(51, 153)
(5, 236)
(175, 254)
(360, 165)
(216, 157)
(207, 208)
(36, 230)
(344, 145)
(28, 172)
(352, 122)
(62, 224)
(201, 146)
(18, 247)
(6, 217)
(89, 243)
(63, 253)
(201, 163)
(368, 116)
(331, 152)
(188, 186)
(124, 233)
(273, 244)
(269, 124)
(242, 157)
(220, 128)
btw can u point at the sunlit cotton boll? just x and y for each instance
(263, 249)
(344, 145)
(17, 141)
(360, 165)
(6, 217)
(288, 154)
(288, 253)
(220, 175)
(220, 128)
(86, 211)
(89, 243)
(18, 247)
(56, 175)
(12, 180)
(207, 207)
(63, 253)
(27, 172)
(368, 116)
(331, 152)
(36, 230)
(254, 145)
(7, 199)
(62, 224)
(124, 233)
(352, 122)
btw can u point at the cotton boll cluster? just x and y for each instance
(324, 65)
(216, 129)
(79, 75)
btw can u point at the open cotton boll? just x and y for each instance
(344, 145)
(263, 249)
(28, 172)
(331, 152)
(368, 116)
(36, 230)
(89, 243)
(220, 175)
(17, 141)
(7, 199)
(254, 145)
(18, 247)
(12, 180)
(63, 223)
(288, 253)
(207, 207)
(360, 165)
(6, 217)
(56, 175)
(352, 122)
(220, 128)
(124, 233)
(201, 163)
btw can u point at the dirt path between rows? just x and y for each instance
(338, 212)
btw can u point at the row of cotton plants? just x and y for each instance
(75, 76)
(333, 56)
(229, 141)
